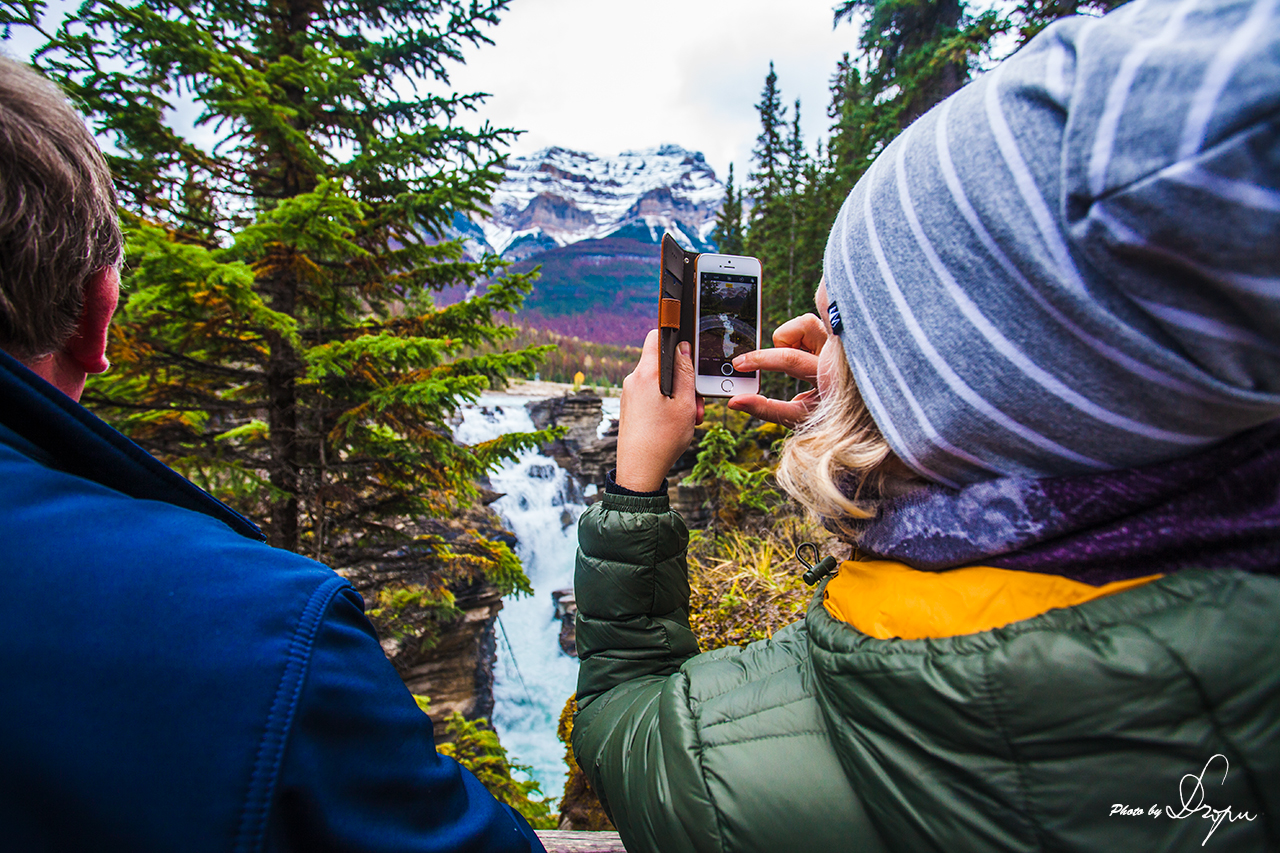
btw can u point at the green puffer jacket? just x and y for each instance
(1131, 722)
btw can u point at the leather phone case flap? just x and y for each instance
(676, 297)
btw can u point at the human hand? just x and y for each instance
(653, 429)
(795, 353)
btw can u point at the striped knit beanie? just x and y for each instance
(1073, 263)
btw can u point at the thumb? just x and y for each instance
(684, 368)
(648, 363)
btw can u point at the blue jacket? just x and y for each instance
(171, 683)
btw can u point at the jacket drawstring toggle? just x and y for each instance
(813, 573)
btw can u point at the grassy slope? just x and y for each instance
(599, 290)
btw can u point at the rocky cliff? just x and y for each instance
(580, 451)
(444, 653)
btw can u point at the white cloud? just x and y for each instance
(604, 76)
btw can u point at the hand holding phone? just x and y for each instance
(654, 429)
(728, 323)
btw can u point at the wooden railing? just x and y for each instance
(557, 841)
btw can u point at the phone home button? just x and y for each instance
(726, 385)
(726, 369)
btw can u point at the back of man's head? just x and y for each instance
(58, 220)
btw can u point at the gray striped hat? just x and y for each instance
(1073, 263)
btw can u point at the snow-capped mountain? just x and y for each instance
(557, 197)
(591, 226)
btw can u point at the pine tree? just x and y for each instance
(1031, 16)
(279, 342)
(728, 231)
(924, 50)
(769, 228)
(769, 153)
(815, 211)
(792, 286)
(909, 45)
(856, 136)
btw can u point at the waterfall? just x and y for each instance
(541, 504)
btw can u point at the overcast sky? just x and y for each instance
(606, 76)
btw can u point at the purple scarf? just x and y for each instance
(1217, 509)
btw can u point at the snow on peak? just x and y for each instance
(558, 196)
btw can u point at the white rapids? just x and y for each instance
(533, 678)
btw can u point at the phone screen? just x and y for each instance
(727, 321)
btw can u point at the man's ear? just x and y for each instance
(88, 347)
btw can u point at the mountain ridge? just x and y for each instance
(593, 224)
(563, 196)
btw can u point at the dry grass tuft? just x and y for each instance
(746, 583)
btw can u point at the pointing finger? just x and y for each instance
(795, 363)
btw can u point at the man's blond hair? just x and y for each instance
(58, 218)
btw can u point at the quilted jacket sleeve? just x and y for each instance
(726, 750)
(632, 588)
(631, 582)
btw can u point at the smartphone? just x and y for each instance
(728, 314)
